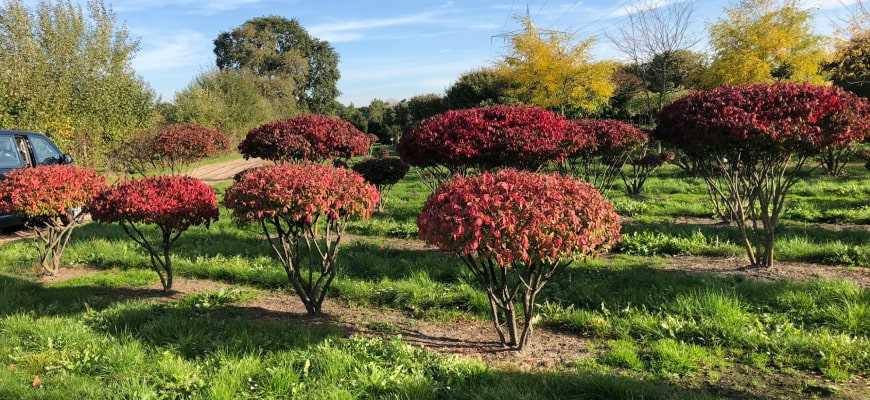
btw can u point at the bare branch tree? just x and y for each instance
(652, 29)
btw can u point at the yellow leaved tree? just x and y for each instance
(765, 41)
(548, 70)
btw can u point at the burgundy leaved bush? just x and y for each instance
(382, 172)
(303, 210)
(498, 136)
(306, 138)
(751, 143)
(52, 199)
(599, 149)
(182, 144)
(518, 223)
(172, 203)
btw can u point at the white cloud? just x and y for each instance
(207, 7)
(167, 52)
(352, 30)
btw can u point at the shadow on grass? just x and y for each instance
(813, 234)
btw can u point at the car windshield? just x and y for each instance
(9, 156)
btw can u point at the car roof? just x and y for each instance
(17, 133)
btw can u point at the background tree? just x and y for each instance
(282, 50)
(480, 88)
(94, 99)
(548, 69)
(233, 101)
(763, 41)
(657, 41)
(850, 66)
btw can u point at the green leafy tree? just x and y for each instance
(483, 87)
(281, 49)
(94, 99)
(850, 67)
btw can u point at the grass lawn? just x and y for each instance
(649, 330)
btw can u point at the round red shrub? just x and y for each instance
(307, 137)
(187, 143)
(302, 193)
(518, 218)
(174, 203)
(764, 118)
(48, 191)
(604, 137)
(512, 136)
(382, 172)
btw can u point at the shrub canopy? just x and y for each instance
(512, 136)
(187, 143)
(762, 118)
(519, 218)
(48, 191)
(301, 193)
(308, 138)
(382, 171)
(173, 203)
(603, 137)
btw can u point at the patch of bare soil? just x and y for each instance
(779, 271)
(65, 274)
(218, 172)
(470, 338)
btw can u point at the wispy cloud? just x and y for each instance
(352, 30)
(168, 52)
(206, 7)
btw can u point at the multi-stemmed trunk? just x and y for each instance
(754, 193)
(505, 287)
(599, 173)
(160, 254)
(308, 259)
(54, 233)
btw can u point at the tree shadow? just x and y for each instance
(811, 233)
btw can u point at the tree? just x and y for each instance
(94, 100)
(233, 101)
(515, 231)
(764, 41)
(53, 199)
(599, 149)
(282, 50)
(752, 142)
(547, 69)
(480, 88)
(657, 41)
(172, 203)
(306, 138)
(303, 210)
(850, 66)
(483, 138)
(383, 173)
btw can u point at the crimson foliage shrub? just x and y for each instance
(383, 173)
(183, 144)
(751, 143)
(53, 200)
(171, 203)
(514, 230)
(484, 138)
(303, 210)
(599, 149)
(306, 138)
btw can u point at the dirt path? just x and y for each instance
(214, 173)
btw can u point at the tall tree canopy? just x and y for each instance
(94, 99)
(281, 49)
(548, 69)
(850, 67)
(483, 87)
(763, 41)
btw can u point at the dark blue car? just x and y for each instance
(25, 150)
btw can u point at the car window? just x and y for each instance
(43, 151)
(9, 157)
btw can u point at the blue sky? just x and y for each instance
(389, 49)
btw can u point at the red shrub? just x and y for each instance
(382, 172)
(183, 144)
(751, 142)
(599, 149)
(172, 203)
(307, 137)
(52, 198)
(511, 136)
(303, 209)
(522, 223)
